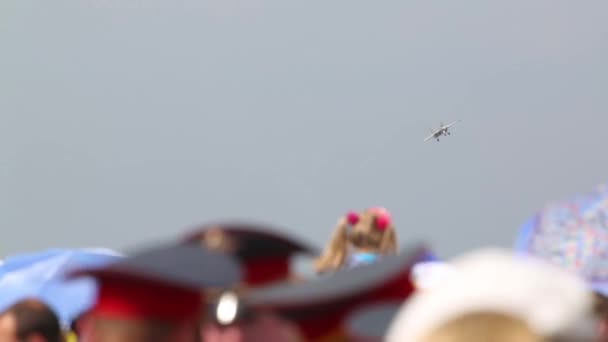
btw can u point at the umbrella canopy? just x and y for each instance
(572, 234)
(42, 275)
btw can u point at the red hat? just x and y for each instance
(265, 254)
(320, 307)
(163, 283)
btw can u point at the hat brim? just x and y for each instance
(371, 323)
(340, 286)
(179, 265)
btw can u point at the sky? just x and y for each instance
(125, 122)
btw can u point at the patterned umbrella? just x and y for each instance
(572, 234)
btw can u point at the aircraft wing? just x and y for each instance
(453, 123)
(429, 137)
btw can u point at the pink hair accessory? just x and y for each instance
(352, 217)
(383, 217)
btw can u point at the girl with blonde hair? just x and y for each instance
(359, 238)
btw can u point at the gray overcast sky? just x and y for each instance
(130, 120)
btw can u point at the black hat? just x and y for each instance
(321, 306)
(370, 323)
(263, 252)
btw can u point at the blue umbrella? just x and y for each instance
(572, 234)
(42, 275)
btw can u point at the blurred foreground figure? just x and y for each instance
(491, 295)
(259, 327)
(371, 323)
(484, 326)
(427, 274)
(154, 295)
(359, 239)
(264, 254)
(319, 308)
(573, 234)
(30, 320)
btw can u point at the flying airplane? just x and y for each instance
(443, 130)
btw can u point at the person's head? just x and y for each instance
(30, 320)
(549, 300)
(484, 326)
(98, 328)
(371, 230)
(132, 307)
(259, 327)
(138, 310)
(154, 295)
(600, 311)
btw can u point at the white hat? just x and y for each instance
(428, 274)
(546, 297)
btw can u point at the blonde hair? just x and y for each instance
(484, 327)
(365, 234)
